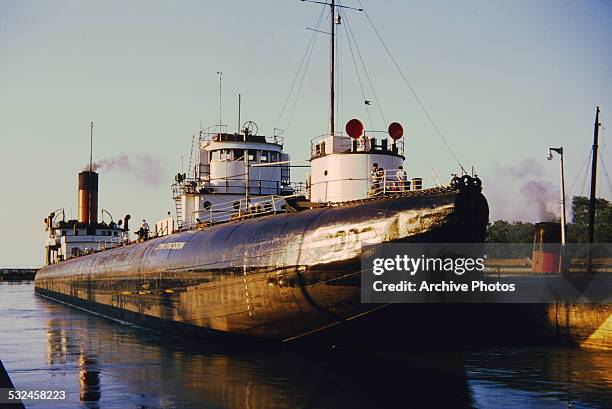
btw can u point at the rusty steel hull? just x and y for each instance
(277, 277)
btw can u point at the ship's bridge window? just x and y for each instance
(238, 154)
(252, 155)
(263, 157)
(225, 154)
(116, 233)
(274, 157)
(215, 155)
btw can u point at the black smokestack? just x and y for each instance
(88, 197)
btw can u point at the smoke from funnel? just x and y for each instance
(520, 192)
(543, 195)
(141, 166)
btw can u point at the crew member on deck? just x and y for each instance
(145, 229)
(401, 178)
(375, 179)
(382, 180)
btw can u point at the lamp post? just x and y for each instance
(563, 219)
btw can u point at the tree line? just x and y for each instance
(502, 231)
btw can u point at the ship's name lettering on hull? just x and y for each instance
(177, 245)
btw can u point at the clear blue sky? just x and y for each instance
(504, 80)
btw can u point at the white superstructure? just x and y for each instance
(341, 166)
(235, 175)
(65, 239)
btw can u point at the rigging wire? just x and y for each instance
(585, 177)
(304, 57)
(414, 94)
(359, 77)
(603, 163)
(350, 30)
(299, 91)
(580, 172)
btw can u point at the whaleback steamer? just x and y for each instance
(248, 252)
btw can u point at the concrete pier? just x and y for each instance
(587, 325)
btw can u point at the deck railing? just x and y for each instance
(387, 181)
(326, 144)
(219, 133)
(239, 209)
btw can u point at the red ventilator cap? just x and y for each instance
(396, 131)
(354, 128)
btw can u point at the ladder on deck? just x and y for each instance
(179, 212)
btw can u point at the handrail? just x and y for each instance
(239, 209)
(256, 186)
(113, 243)
(387, 182)
(208, 135)
(345, 144)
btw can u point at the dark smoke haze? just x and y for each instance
(141, 166)
(523, 192)
(543, 195)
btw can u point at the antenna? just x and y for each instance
(238, 113)
(220, 74)
(90, 181)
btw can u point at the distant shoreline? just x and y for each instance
(17, 274)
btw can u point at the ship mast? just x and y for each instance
(332, 58)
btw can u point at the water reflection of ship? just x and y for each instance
(89, 379)
(61, 346)
(156, 372)
(57, 344)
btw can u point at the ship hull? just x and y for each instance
(281, 277)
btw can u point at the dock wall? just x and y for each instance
(588, 325)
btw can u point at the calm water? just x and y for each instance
(103, 364)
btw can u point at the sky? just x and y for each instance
(502, 80)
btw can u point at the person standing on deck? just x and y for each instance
(375, 179)
(401, 178)
(145, 229)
